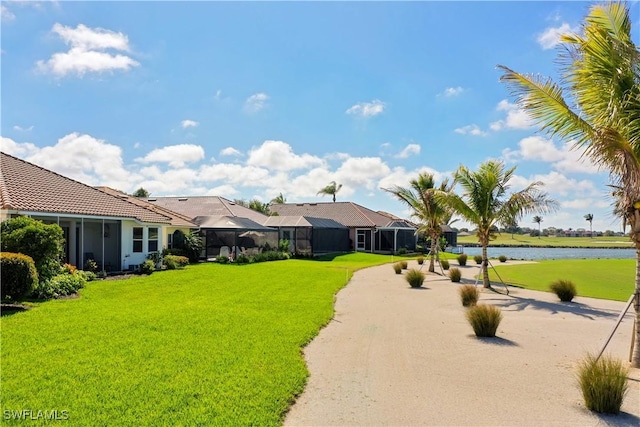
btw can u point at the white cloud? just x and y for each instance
(86, 159)
(218, 94)
(550, 37)
(408, 151)
(361, 172)
(516, 117)
(278, 155)
(21, 129)
(557, 183)
(174, 155)
(367, 109)
(470, 130)
(452, 91)
(87, 52)
(402, 177)
(188, 124)
(231, 173)
(18, 149)
(256, 102)
(6, 14)
(230, 151)
(563, 158)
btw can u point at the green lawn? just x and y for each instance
(599, 278)
(209, 345)
(526, 240)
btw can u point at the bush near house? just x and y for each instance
(60, 285)
(44, 243)
(147, 267)
(175, 261)
(19, 276)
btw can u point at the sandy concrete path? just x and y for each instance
(399, 356)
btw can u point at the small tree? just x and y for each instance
(193, 246)
(141, 192)
(538, 220)
(589, 218)
(42, 242)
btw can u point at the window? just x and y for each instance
(137, 239)
(153, 239)
(169, 241)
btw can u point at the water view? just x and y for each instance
(553, 253)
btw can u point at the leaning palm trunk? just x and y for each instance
(635, 359)
(485, 269)
(432, 263)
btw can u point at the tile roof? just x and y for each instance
(193, 206)
(177, 219)
(346, 213)
(230, 223)
(31, 188)
(301, 221)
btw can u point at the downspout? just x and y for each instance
(102, 235)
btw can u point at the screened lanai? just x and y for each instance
(225, 235)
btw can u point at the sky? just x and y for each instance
(252, 99)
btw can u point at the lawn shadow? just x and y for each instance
(579, 309)
(11, 309)
(496, 341)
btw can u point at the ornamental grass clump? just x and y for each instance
(469, 295)
(397, 267)
(603, 383)
(478, 259)
(462, 259)
(415, 278)
(404, 265)
(502, 258)
(484, 319)
(444, 264)
(564, 289)
(420, 260)
(455, 274)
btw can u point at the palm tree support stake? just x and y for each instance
(497, 274)
(615, 327)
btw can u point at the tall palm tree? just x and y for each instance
(331, 190)
(538, 219)
(589, 217)
(600, 112)
(485, 203)
(279, 200)
(430, 213)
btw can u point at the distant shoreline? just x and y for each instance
(500, 245)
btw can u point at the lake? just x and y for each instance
(553, 253)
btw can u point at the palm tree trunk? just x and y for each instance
(485, 267)
(635, 359)
(432, 252)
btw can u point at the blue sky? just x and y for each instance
(247, 100)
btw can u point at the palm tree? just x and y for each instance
(485, 203)
(431, 214)
(330, 189)
(589, 217)
(278, 200)
(600, 112)
(538, 219)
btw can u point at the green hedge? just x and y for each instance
(18, 274)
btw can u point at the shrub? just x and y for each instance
(444, 264)
(44, 243)
(90, 265)
(60, 285)
(147, 267)
(415, 278)
(222, 259)
(402, 251)
(455, 274)
(502, 258)
(420, 260)
(462, 259)
(193, 246)
(260, 257)
(478, 259)
(243, 259)
(564, 289)
(397, 267)
(89, 276)
(469, 295)
(156, 257)
(19, 276)
(484, 319)
(175, 261)
(603, 383)
(69, 269)
(173, 251)
(283, 245)
(404, 265)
